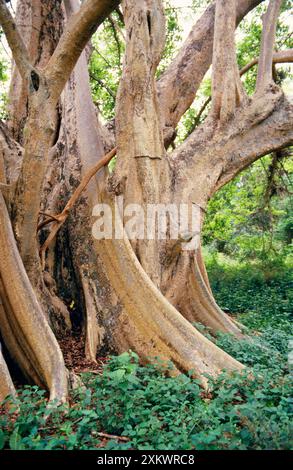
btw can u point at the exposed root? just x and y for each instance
(149, 324)
(189, 291)
(6, 384)
(24, 327)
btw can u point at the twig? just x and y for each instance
(116, 25)
(113, 26)
(120, 14)
(112, 436)
(59, 219)
(100, 434)
(101, 55)
(50, 217)
(104, 85)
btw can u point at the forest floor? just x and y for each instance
(72, 347)
(123, 405)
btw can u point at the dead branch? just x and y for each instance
(112, 436)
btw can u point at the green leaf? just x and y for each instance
(15, 441)
(117, 374)
(2, 439)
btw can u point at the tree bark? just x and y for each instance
(40, 25)
(23, 325)
(180, 82)
(123, 307)
(6, 384)
(21, 311)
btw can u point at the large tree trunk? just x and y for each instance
(143, 173)
(121, 313)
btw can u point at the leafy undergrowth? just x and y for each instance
(149, 410)
(260, 294)
(152, 411)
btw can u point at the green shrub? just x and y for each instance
(262, 295)
(251, 410)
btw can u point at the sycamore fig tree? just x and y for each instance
(143, 294)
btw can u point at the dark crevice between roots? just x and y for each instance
(17, 376)
(68, 285)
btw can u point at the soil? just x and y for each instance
(72, 347)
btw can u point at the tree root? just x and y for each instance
(149, 324)
(189, 291)
(24, 327)
(6, 384)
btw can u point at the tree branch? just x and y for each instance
(103, 84)
(270, 18)
(264, 124)
(227, 90)
(14, 39)
(278, 58)
(178, 85)
(272, 134)
(80, 28)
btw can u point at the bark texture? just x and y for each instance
(179, 84)
(6, 384)
(40, 25)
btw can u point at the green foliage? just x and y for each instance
(108, 47)
(4, 76)
(105, 65)
(251, 217)
(251, 410)
(261, 294)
